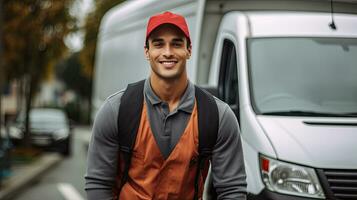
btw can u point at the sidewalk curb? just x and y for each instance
(27, 175)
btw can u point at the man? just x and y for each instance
(167, 138)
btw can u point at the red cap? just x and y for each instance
(167, 18)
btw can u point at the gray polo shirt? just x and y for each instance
(227, 167)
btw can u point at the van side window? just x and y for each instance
(228, 77)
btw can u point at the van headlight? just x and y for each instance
(287, 178)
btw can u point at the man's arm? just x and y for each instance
(228, 173)
(103, 152)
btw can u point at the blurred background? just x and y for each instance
(47, 52)
(296, 63)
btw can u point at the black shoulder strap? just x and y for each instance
(208, 128)
(207, 121)
(130, 109)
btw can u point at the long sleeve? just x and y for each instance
(228, 173)
(102, 161)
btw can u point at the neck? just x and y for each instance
(169, 91)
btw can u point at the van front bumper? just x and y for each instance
(268, 195)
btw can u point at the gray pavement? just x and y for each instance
(24, 176)
(84, 134)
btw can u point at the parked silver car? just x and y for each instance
(50, 129)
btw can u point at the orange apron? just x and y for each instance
(153, 177)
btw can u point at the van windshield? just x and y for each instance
(303, 76)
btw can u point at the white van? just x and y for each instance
(288, 74)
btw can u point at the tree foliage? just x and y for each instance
(33, 34)
(69, 71)
(91, 29)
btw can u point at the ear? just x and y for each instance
(146, 52)
(189, 51)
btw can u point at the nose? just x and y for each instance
(167, 51)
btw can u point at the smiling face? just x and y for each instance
(167, 52)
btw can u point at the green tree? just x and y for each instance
(91, 28)
(33, 39)
(70, 72)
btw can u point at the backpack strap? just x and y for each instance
(130, 110)
(208, 128)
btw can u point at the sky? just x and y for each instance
(80, 9)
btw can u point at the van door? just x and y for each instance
(228, 77)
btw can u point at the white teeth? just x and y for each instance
(168, 64)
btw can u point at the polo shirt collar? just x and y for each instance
(187, 100)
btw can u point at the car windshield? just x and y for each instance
(303, 76)
(46, 119)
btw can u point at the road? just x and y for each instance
(65, 181)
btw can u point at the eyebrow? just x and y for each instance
(157, 40)
(177, 40)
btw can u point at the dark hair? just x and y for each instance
(188, 43)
